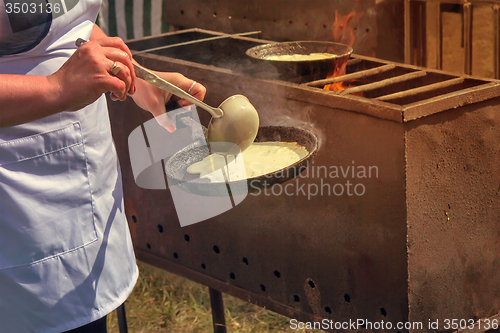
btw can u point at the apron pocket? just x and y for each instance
(45, 199)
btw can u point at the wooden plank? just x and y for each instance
(496, 52)
(439, 38)
(468, 38)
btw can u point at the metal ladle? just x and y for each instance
(234, 122)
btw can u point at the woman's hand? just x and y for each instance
(153, 99)
(87, 74)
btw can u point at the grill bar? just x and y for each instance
(353, 76)
(424, 89)
(355, 61)
(472, 95)
(383, 83)
(163, 47)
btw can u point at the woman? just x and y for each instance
(66, 257)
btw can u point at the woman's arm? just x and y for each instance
(81, 80)
(26, 98)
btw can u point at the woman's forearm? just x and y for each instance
(97, 33)
(80, 81)
(25, 98)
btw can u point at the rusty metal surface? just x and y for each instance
(326, 256)
(453, 201)
(421, 243)
(371, 28)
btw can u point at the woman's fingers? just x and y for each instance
(116, 43)
(197, 90)
(125, 69)
(115, 58)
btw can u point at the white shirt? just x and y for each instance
(66, 255)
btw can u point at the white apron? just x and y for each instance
(66, 255)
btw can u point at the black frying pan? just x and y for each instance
(304, 70)
(176, 166)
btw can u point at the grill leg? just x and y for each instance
(217, 305)
(122, 319)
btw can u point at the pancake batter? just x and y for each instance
(300, 57)
(259, 159)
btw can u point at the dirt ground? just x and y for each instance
(453, 51)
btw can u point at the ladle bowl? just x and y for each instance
(239, 125)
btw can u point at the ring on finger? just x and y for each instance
(191, 88)
(115, 69)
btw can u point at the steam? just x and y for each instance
(279, 115)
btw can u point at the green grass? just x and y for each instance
(164, 302)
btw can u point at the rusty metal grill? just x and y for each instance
(420, 244)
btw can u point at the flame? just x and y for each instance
(337, 85)
(344, 31)
(345, 26)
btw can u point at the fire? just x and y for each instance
(337, 85)
(344, 31)
(345, 26)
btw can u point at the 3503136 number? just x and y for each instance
(455, 324)
(32, 8)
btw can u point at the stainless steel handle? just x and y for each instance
(155, 80)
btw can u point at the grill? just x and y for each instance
(413, 238)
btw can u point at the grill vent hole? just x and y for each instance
(176, 256)
(383, 312)
(134, 218)
(262, 287)
(277, 274)
(216, 249)
(182, 12)
(245, 260)
(311, 284)
(347, 298)
(186, 238)
(328, 310)
(203, 266)
(296, 298)
(149, 246)
(232, 276)
(160, 228)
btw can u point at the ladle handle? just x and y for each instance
(155, 80)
